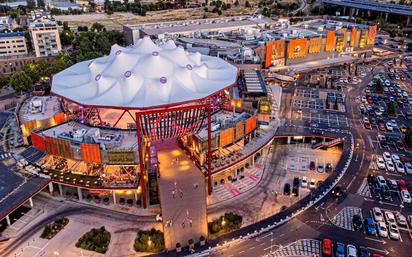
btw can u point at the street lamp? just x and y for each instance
(149, 241)
(56, 253)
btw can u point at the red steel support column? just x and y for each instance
(209, 152)
(139, 144)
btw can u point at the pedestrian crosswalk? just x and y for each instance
(302, 247)
(344, 218)
(5, 156)
(364, 189)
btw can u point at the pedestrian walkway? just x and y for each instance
(241, 185)
(182, 194)
(364, 189)
(303, 247)
(344, 218)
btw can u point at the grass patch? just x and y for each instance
(96, 240)
(149, 241)
(50, 230)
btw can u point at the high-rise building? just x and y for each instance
(44, 34)
(12, 44)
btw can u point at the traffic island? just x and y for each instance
(224, 224)
(50, 230)
(96, 240)
(149, 241)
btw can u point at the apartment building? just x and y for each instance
(12, 44)
(44, 34)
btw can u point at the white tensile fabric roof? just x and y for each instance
(144, 75)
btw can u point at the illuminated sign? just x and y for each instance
(297, 48)
(330, 41)
(372, 34)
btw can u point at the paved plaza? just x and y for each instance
(182, 194)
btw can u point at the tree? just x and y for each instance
(247, 4)
(408, 137)
(392, 108)
(379, 86)
(20, 81)
(4, 81)
(66, 37)
(401, 41)
(97, 27)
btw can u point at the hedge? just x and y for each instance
(95, 240)
(154, 245)
(50, 230)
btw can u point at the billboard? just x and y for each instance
(275, 53)
(121, 157)
(330, 40)
(226, 137)
(363, 38)
(297, 48)
(315, 45)
(340, 43)
(373, 29)
(90, 152)
(250, 124)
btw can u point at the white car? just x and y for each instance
(365, 120)
(387, 83)
(394, 232)
(312, 184)
(380, 163)
(408, 167)
(390, 166)
(399, 167)
(405, 94)
(351, 251)
(386, 156)
(381, 181)
(389, 217)
(382, 230)
(395, 158)
(377, 214)
(389, 126)
(394, 124)
(304, 182)
(401, 219)
(406, 197)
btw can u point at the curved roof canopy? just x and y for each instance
(144, 75)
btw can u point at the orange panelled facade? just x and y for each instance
(274, 50)
(373, 29)
(38, 141)
(353, 37)
(330, 40)
(239, 130)
(250, 124)
(49, 145)
(315, 45)
(90, 152)
(226, 137)
(59, 118)
(297, 48)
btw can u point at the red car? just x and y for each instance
(402, 185)
(312, 165)
(367, 125)
(400, 145)
(404, 158)
(327, 247)
(377, 255)
(370, 100)
(381, 126)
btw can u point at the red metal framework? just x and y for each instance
(169, 123)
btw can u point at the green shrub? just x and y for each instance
(226, 223)
(95, 240)
(50, 230)
(149, 241)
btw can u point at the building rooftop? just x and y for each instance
(11, 34)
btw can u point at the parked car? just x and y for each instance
(295, 188)
(399, 167)
(389, 217)
(320, 168)
(304, 182)
(328, 167)
(395, 158)
(382, 229)
(385, 192)
(351, 251)
(377, 214)
(393, 232)
(401, 220)
(389, 166)
(357, 222)
(370, 226)
(406, 197)
(326, 247)
(312, 184)
(340, 250)
(286, 189)
(408, 167)
(312, 165)
(381, 181)
(386, 156)
(393, 184)
(364, 252)
(371, 180)
(380, 163)
(402, 185)
(400, 145)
